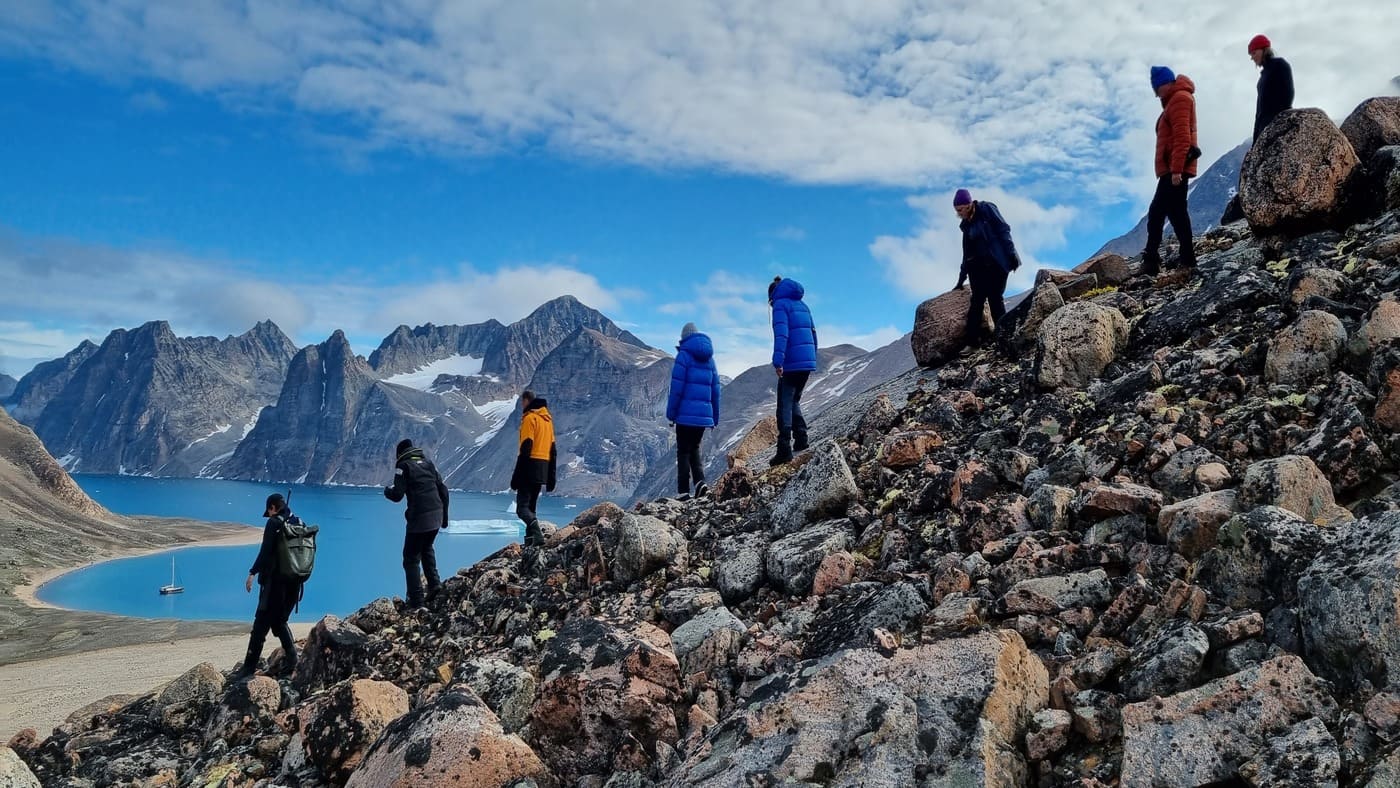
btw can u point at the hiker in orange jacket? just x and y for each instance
(535, 468)
(1175, 166)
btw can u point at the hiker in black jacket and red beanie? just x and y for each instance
(417, 478)
(1275, 83)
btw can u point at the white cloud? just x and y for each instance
(733, 310)
(927, 262)
(90, 290)
(906, 92)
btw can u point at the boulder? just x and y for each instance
(1374, 124)
(1110, 268)
(1116, 500)
(958, 709)
(1381, 326)
(907, 449)
(734, 483)
(940, 327)
(1315, 281)
(1234, 281)
(1044, 302)
(377, 615)
(835, 571)
(761, 435)
(339, 727)
(184, 703)
(1347, 606)
(1049, 507)
(822, 487)
(605, 704)
(1076, 343)
(334, 651)
(1304, 352)
(1291, 482)
(1167, 662)
(1190, 526)
(1049, 733)
(1180, 477)
(454, 740)
(708, 640)
(851, 622)
(792, 561)
(644, 545)
(1305, 755)
(14, 772)
(1204, 735)
(1258, 557)
(1341, 446)
(1049, 595)
(508, 690)
(247, 707)
(739, 566)
(1295, 174)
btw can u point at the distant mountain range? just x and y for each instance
(256, 407)
(7, 385)
(1209, 195)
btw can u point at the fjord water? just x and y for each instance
(359, 554)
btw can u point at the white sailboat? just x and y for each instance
(172, 588)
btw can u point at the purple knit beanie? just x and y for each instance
(962, 197)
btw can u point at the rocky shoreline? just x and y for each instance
(1159, 547)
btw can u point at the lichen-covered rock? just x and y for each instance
(338, 728)
(1045, 301)
(1306, 755)
(851, 622)
(1047, 595)
(1381, 326)
(1204, 735)
(739, 566)
(1110, 268)
(940, 327)
(1347, 604)
(761, 435)
(1116, 500)
(822, 487)
(956, 708)
(454, 740)
(1076, 343)
(1170, 661)
(605, 702)
(14, 772)
(505, 688)
(644, 545)
(1258, 556)
(334, 651)
(1294, 176)
(907, 449)
(792, 561)
(1374, 124)
(708, 640)
(1049, 507)
(1291, 482)
(1190, 526)
(246, 708)
(181, 705)
(1304, 352)
(1315, 281)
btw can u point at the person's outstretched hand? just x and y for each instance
(248, 585)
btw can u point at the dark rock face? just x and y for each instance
(7, 386)
(1374, 124)
(33, 392)
(147, 402)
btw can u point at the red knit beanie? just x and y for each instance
(1260, 41)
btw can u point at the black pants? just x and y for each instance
(1169, 203)
(526, 499)
(791, 425)
(418, 548)
(688, 463)
(988, 288)
(276, 601)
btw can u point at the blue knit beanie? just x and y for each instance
(1161, 75)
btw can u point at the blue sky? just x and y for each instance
(362, 165)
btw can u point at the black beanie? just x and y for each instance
(404, 445)
(275, 502)
(773, 285)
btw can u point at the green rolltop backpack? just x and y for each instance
(296, 550)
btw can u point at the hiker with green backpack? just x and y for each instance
(283, 565)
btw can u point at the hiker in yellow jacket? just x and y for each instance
(534, 469)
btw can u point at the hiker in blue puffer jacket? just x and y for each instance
(794, 359)
(693, 406)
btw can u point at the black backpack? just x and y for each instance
(296, 550)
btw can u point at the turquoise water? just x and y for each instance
(358, 555)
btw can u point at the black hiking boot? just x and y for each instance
(249, 668)
(701, 490)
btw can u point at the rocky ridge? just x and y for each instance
(1158, 549)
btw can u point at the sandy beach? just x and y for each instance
(41, 693)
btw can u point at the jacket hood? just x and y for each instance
(1182, 82)
(699, 347)
(790, 289)
(538, 405)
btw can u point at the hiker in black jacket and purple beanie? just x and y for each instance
(417, 478)
(277, 596)
(989, 257)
